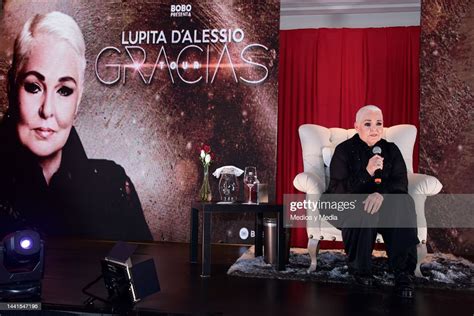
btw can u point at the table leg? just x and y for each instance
(206, 244)
(193, 245)
(258, 234)
(281, 243)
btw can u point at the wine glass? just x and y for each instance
(250, 176)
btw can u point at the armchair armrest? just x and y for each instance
(423, 184)
(309, 183)
(420, 186)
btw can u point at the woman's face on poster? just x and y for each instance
(48, 91)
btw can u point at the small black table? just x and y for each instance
(209, 208)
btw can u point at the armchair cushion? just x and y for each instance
(328, 151)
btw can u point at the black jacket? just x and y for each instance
(348, 172)
(86, 198)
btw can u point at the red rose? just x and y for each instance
(207, 149)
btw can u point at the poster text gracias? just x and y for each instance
(200, 56)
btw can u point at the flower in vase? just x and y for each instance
(206, 156)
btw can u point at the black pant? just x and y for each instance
(395, 221)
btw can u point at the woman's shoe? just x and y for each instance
(364, 279)
(405, 285)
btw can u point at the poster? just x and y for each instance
(161, 79)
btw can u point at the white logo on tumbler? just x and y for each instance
(180, 10)
(244, 233)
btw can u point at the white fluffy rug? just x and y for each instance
(439, 270)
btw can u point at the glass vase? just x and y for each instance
(205, 192)
(228, 186)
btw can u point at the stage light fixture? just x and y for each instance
(21, 266)
(127, 283)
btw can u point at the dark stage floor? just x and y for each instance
(69, 266)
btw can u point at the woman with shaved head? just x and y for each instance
(367, 164)
(47, 181)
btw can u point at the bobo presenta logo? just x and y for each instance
(180, 10)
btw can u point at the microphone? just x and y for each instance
(378, 173)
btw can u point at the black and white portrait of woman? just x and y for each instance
(47, 182)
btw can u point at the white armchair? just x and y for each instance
(318, 145)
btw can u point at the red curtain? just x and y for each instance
(326, 75)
